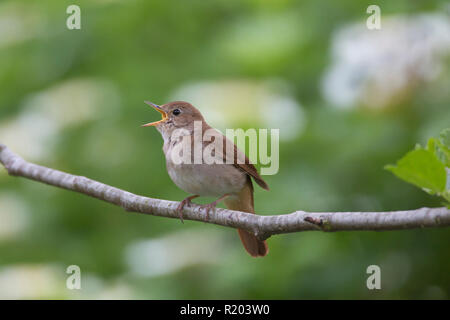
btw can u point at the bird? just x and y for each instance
(229, 180)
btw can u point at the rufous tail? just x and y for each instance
(244, 202)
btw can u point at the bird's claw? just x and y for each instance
(208, 207)
(212, 206)
(185, 202)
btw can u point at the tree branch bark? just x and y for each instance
(262, 226)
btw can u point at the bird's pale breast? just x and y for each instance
(213, 180)
(207, 180)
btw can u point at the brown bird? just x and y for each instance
(229, 180)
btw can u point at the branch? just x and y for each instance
(262, 226)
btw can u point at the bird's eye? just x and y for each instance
(176, 112)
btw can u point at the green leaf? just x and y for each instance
(431, 145)
(422, 168)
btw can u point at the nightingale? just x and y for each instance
(229, 180)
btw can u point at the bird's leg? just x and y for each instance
(185, 202)
(213, 205)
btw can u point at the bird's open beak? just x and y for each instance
(157, 108)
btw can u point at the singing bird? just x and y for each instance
(230, 181)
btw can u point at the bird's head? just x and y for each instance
(175, 115)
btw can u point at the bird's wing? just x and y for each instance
(241, 161)
(235, 156)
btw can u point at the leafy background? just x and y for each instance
(347, 101)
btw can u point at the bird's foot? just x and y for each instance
(212, 206)
(185, 202)
(208, 207)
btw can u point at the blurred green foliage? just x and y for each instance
(139, 50)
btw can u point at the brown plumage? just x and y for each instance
(230, 180)
(244, 202)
